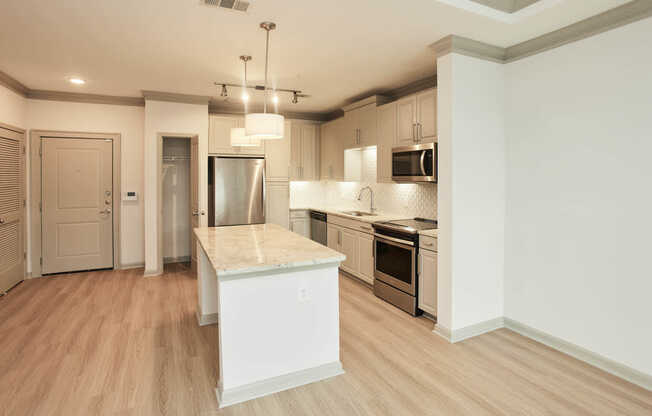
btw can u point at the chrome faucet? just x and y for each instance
(372, 209)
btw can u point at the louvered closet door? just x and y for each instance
(77, 195)
(12, 215)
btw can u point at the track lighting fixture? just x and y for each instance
(295, 97)
(224, 92)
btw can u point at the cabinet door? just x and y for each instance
(295, 153)
(277, 157)
(427, 116)
(219, 141)
(309, 153)
(349, 132)
(349, 247)
(427, 299)
(367, 125)
(333, 237)
(337, 150)
(326, 153)
(278, 204)
(366, 257)
(406, 109)
(386, 139)
(300, 226)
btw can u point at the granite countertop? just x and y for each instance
(379, 217)
(258, 248)
(429, 233)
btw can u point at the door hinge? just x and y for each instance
(23, 149)
(40, 207)
(40, 261)
(25, 255)
(40, 149)
(24, 203)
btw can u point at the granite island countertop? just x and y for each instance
(246, 249)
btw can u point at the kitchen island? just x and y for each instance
(275, 298)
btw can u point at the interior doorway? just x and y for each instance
(178, 199)
(176, 207)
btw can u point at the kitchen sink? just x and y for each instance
(359, 213)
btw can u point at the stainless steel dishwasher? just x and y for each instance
(318, 228)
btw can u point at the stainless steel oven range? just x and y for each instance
(396, 249)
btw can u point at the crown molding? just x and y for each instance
(594, 25)
(611, 19)
(84, 98)
(413, 87)
(13, 84)
(176, 98)
(507, 6)
(468, 47)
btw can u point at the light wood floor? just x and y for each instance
(115, 343)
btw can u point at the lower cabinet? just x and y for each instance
(278, 204)
(357, 246)
(300, 223)
(427, 299)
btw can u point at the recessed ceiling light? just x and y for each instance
(77, 81)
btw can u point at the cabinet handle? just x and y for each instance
(413, 135)
(419, 132)
(339, 237)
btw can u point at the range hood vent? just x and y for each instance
(237, 5)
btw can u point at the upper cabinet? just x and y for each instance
(219, 142)
(387, 133)
(277, 156)
(360, 127)
(304, 151)
(332, 151)
(417, 118)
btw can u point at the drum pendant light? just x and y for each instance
(265, 126)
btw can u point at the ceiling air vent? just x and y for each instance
(238, 5)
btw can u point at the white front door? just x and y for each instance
(77, 204)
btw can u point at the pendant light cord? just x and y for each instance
(266, 65)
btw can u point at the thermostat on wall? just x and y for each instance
(131, 196)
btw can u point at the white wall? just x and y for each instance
(100, 118)
(472, 190)
(12, 108)
(579, 204)
(171, 118)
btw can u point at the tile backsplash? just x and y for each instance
(412, 199)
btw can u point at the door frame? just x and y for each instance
(36, 136)
(159, 194)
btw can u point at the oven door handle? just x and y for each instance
(422, 162)
(390, 240)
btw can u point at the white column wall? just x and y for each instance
(172, 118)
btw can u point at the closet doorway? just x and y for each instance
(179, 199)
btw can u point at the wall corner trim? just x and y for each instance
(176, 98)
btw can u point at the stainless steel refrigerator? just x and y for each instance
(236, 188)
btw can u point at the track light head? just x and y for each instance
(224, 92)
(295, 97)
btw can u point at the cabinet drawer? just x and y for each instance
(428, 243)
(365, 227)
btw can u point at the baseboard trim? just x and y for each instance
(129, 266)
(620, 370)
(275, 384)
(443, 332)
(204, 320)
(477, 329)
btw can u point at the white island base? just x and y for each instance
(278, 327)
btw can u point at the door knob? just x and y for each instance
(2, 221)
(106, 211)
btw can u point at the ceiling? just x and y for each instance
(331, 50)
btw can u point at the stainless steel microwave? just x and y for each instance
(416, 163)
